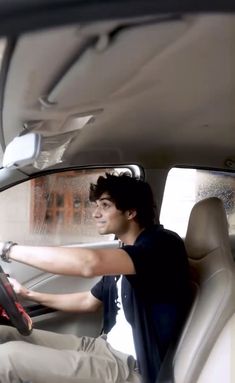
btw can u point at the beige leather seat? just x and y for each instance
(206, 349)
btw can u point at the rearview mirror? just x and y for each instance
(22, 151)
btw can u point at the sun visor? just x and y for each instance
(79, 84)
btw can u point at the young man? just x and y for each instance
(148, 275)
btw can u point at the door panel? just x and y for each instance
(78, 324)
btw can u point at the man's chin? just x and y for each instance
(102, 231)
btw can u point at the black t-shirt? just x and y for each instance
(155, 299)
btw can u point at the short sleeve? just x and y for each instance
(143, 257)
(98, 290)
(106, 291)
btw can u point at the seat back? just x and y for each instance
(213, 275)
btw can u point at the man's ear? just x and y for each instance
(131, 214)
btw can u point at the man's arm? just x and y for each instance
(75, 302)
(74, 260)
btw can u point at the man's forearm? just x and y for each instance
(58, 260)
(58, 302)
(74, 302)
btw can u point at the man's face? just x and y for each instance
(109, 220)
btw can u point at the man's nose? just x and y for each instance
(96, 212)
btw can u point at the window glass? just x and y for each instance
(185, 187)
(52, 209)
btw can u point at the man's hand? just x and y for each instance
(18, 288)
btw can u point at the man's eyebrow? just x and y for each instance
(105, 198)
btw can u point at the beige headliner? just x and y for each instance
(162, 94)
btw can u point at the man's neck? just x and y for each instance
(130, 236)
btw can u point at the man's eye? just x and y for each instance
(105, 205)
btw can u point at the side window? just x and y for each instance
(52, 210)
(185, 187)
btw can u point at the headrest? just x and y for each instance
(207, 228)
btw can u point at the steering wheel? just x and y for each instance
(11, 307)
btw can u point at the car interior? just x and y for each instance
(135, 87)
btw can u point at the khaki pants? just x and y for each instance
(47, 357)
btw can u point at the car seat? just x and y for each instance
(205, 350)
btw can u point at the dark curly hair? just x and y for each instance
(127, 192)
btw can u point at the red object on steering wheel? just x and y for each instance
(11, 308)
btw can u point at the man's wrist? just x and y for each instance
(25, 293)
(33, 296)
(5, 251)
